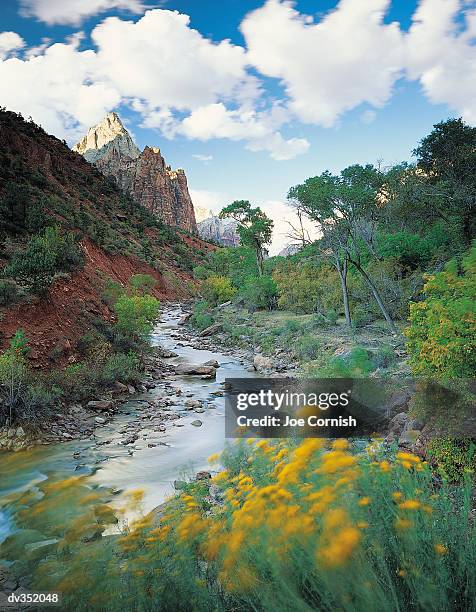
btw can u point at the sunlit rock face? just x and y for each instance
(211, 227)
(144, 175)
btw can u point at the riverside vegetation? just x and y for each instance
(314, 524)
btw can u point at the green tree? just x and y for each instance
(136, 315)
(45, 254)
(254, 227)
(346, 208)
(217, 290)
(447, 159)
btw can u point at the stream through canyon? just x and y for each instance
(155, 458)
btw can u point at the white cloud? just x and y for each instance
(282, 214)
(72, 12)
(202, 157)
(10, 41)
(350, 56)
(60, 89)
(441, 53)
(368, 116)
(182, 83)
(258, 129)
(166, 64)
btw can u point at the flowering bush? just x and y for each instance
(306, 527)
(442, 331)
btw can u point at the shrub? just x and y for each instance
(136, 315)
(217, 289)
(353, 364)
(454, 458)
(120, 366)
(442, 331)
(142, 283)
(301, 527)
(201, 318)
(385, 357)
(308, 347)
(259, 292)
(307, 288)
(25, 396)
(45, 255)
(112, 291)
(8, 292)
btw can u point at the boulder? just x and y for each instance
(196, 423)
(212, 362)
(184, 318)
(213, 329)
(100, 405)
(166, 354)
(397, 425)
(120, 387)
(186, 369)
(262, 363)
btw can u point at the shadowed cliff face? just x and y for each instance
(145, 176)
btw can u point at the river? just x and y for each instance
(180, 451)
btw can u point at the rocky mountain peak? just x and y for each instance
(144, 175)
(108, 135)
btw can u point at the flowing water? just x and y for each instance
(180, 451)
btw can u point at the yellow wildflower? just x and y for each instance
(340, 547)
(364, 501)
(440, 549)
(410, 504)
(403, 524)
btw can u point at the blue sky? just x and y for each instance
(298, 88)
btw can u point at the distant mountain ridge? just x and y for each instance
(211, 227)
(144, 175)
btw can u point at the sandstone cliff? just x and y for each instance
(145, 176)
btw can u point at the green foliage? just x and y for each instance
(308, 347)
(45, 255)
(217, 290)
(201, 318)
(112, 291)
(356, 363)
(236, 263)
(442, 331)
(292, 533)
(142, 283)
(454, 458)
(307, 288)
(25, 397)
(8, 292)
(254, 227)
(258, 292)
(447, 156)
(136, 315)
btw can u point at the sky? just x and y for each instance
(250, 97)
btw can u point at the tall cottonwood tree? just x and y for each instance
(346, 208)
(255, 228)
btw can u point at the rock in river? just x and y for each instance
(195, 370)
